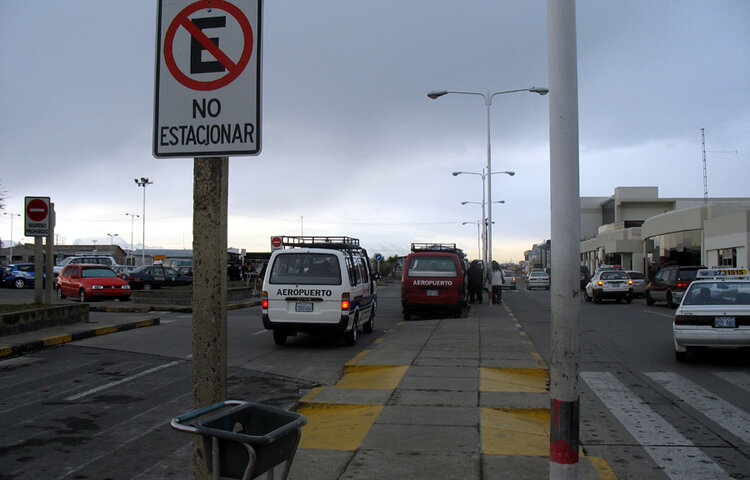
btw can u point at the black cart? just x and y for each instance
(244, 440)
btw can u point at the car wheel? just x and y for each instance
(649, 300)
(370, 325)
(407, 314)
(60, 294)
(629, 299)
(147, 286)
(350, 337)
(586, 296)
(619, 299)
(670, 302)
(681, 356)
(82, 295)
(597, 298)
(279, 337)
(19, 283)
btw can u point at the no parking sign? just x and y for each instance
(207, 95)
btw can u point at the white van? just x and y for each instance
(319, 284)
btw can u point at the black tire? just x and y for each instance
(350, 337)
(597, 298)
(629, 299)
(370, 325)
(19, 283)
(586, 295)
(407, 314)
(670, 301)
(279, 336)
(649, 300)
(82, 295)
(681, 356)
(60, 295)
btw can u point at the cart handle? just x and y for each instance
(177, 422)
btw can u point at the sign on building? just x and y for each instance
(208, 78)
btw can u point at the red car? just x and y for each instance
(91, 281)
(434, 278)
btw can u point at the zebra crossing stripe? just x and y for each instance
(738, 379)
(731, 418)
(675, 454)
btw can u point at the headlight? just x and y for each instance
(97, 287)
(126, 287)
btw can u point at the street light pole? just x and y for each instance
(143, 182)
(132, 223)
(488, 102)
(478, 222)
(112, 238)
(10, 260)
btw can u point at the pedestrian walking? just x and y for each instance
(497, 283)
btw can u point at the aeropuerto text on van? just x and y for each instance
(434, 278)
(319, 284)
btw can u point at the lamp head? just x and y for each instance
(511, 173)
(539, 90)
(464, 203)
(455, 174)
(437, 93)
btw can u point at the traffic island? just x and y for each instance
(30, 317)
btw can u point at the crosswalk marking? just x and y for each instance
(738, 379)
(730, 418)
(675, 454)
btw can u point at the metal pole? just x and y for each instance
(488, 263)
(484, 224)
(143, 228)
(565, 240)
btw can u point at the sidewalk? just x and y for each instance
(436, 399)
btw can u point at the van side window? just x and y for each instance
(363, 270)
(354, 275)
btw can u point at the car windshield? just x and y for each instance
(432, 266)
(306, 269)
(718, 293)
(614, 276)
(97, 272)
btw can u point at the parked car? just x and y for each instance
(185, 270)
(18, 275)
(122, 271)
(537, 280)
(639, 282)
(91, 259)
(614, 284)
(715, 312)
(434, 278)
(670, 283)
(91, 281)
(156, 276)
(585, 276)
(509, 279)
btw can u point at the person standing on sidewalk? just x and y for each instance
(497, 283)
(476, 279)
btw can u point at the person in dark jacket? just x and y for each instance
(476, 281)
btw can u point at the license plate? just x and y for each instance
(724, 322)
(432, 293)
(303, 307)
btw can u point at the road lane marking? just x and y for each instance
(118, 382)
(730, 418)
(738, 379)
(675, 454)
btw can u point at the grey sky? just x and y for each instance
(350, 140)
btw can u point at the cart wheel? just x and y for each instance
(279, 337)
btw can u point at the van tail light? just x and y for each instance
(345, 301)
(264, 300)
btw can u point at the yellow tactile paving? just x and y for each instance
(337, 427)
(530, 380)
(378, 377)
(507, 431)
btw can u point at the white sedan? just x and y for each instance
(537, 280)
(714, 312)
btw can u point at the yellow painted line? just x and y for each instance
(510, 431)
(378, 340)
(337, 427)
(531, 380)
(309, 396)
(357, 357)
(380, 377)
(56, 340)
(602, 468)
(145, 323)
(5, 351)
(105, 330)
(539, 360)
(523, 334)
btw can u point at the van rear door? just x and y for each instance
(433, 278)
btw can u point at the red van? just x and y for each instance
(434, 278)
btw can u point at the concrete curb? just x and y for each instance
(164, 308)
(59, 339)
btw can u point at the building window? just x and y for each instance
(679, 248)
(728, 257)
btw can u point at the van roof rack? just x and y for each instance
(435, 247)
(305, 241)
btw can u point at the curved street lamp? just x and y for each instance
(488, 102)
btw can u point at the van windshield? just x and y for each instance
(306, 269)
(432, 266)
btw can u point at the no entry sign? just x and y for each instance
(37, 217)
(276, 243)
(208, 96)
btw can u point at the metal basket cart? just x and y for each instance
(246, 440)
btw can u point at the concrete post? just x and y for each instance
(565, 239)
(210, 198)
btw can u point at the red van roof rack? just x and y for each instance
(435, 247)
